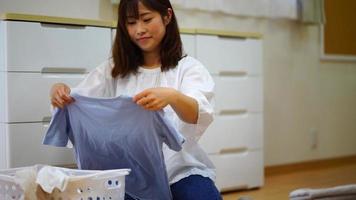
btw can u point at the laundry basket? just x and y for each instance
(9, 189)
(82, 184)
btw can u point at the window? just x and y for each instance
(339, 33)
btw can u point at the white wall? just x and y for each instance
(301, 93)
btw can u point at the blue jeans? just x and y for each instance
(194, 187)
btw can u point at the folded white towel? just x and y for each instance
(50, 178)
(333, 193)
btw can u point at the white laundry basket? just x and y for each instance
(82, 185)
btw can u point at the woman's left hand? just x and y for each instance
(155, 98)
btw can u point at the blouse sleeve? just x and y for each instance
(98, 83)
(198, 84)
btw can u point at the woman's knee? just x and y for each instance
(195, 187)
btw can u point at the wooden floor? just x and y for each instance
(280, 181)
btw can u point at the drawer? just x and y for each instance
(233, 133)
(238, 94)
(36, 46)
(238, 171)
(188, 41)
(26, 148)
(2, 96)
(28, 94)
(230, 54)
(2, 146)
(2, 47)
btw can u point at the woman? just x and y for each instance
(148, 64)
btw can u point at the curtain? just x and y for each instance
(311, 11)
(250, 8)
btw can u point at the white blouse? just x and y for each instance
(191, 78)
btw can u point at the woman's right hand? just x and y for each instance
(60, 95)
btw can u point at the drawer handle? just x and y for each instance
(234, 150)
(46, 119)
(63, 25)
(61, 70)
(233, 112)
(233, 73)
(233, 37)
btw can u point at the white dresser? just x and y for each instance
(234, 141)
(33, 56)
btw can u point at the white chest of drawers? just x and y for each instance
(33, 56)
(234, 141)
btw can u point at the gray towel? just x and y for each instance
(344, 192)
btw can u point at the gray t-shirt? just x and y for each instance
(113, 133)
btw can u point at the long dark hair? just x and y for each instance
(127, 56)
